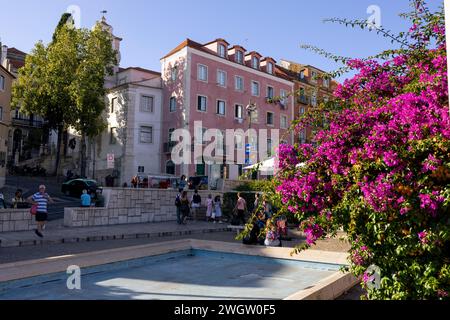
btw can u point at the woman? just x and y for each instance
(272, 236)
(183, 182)
(218, 209)
(184, 207)
(241, 207)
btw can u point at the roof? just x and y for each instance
(195, 45)
(6, 70)
(186, 43)
(16, 51)
(237, 46)
(217, 40)
(140, 69)
(269, 58)
(253, 53)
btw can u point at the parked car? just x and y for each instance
(198, 182)
(75, 187)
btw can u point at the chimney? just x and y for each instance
(3, 53)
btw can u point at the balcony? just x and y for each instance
(27, 123)
(303, 99)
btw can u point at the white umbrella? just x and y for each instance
(267, 166)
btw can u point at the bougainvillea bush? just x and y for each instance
(380, 168)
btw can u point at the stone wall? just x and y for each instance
(16, 220)
(129, 206)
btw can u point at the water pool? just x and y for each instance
(187, 274)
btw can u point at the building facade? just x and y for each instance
(214, 83)
(310, 90)
(28, 136)
(133, 136)
(6, 80)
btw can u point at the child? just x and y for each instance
(209, 208)
(218, 210)
(272, 236)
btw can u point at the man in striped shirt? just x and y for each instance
(41, 199)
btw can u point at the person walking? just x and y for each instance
(209, 208)
(40, 199)
(184, 207)
(86, 199)
(241, 206)
(217, 210)
(196, 203)
(178, 205)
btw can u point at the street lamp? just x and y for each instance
(251, 108)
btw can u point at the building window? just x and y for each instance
(172, 104)
(255, 63)
(202, 73)
(270, 92)
(113, 136)
(270, 118)
(200, 169)
(1, 113)
(113, 105)
(221, 107)
(221, 78)
(2, 83)
(302, 75)
(201, 103)
(122, 81)
(326, 83)
(283, 122)
(141, 169)
(238, 111)
(314, 76)
(146, 134)
(174, 73)
(239, 57)
(222, 51)
(255, 89)
(270, 68)
(302, 110)
(314, 99)
(147, 103)
(283, 95)
(239, 83)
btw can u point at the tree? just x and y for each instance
(63, 82)
(43, 84)
(381, 167)
(96, 59)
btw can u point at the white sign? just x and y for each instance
(110, 160)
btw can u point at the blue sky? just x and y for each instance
(152, 28)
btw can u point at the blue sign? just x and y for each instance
(248, 148)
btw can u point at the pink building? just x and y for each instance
(214, 83)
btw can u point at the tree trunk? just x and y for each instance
(83, 155)
(58, 149)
